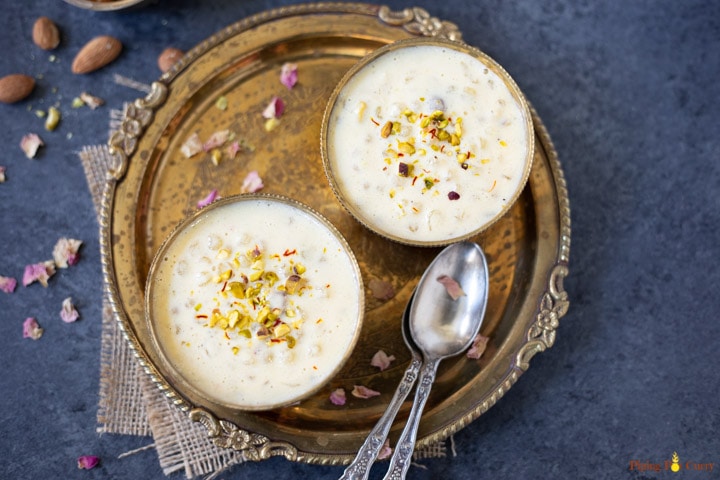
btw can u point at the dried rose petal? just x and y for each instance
(86, 462)
(289, 75)
(68, 313)
(337, 397)
(360, 391)
(453, 287)
(91, 101)
(275, 108)
(7, 284)
(30, 144)
(252, 183)
(38, 272)
(217, 139)
(31, 329)
(453, 195)
(66, 253)
(192, 146)
(207, 200)
(478, 347)
(233, 149)
(381, 360)
(2, 174)
(381, 289)
(385, 450)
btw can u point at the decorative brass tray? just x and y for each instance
(152, 186)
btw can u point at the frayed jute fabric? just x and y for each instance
(130, 404)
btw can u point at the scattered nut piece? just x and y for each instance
(168, 58)
(52, 120)
(45, 34)
(15, 87)
(478, 347)
(97, 53)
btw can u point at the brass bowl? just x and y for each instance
(108, 5)
(365, 161)
(216, 361)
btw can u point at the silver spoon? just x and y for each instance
(442, 327)
(360, 466)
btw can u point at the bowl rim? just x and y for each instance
(186, 224)
(458, 46)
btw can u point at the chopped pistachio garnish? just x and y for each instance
(244, 306)
(53, 119)
(221, 103)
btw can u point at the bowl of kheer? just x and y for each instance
(427, 141)
(254, 302)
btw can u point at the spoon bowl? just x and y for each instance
(443, 326)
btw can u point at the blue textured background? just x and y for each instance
(629, 92)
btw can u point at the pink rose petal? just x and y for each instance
(87, 462)
(207, 200)
(275, 108)
(30, 144)
(252, 183)
(192, 146)
(68, 313)
(217, 139)
(289, 75)
(233, 149)
(360, 391)
(478, 347)
(381, 360)
(2, 174)
(453, 287)
(385, 450)
(31, 329)
(66, 253)
(337, 397)
(38, 272)
(7, 284)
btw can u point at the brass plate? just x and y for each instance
(152, 187)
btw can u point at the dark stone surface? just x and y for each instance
(630, 94)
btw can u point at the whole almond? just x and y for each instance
(15, 87)
(97, 53)
(168, 57)
(46, 34)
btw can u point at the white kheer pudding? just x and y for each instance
(256, 302)
(427, 142)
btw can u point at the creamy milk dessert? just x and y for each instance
(256, 303)
(427, 144)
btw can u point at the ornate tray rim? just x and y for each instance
(552, 305)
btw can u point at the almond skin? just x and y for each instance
(97, 53)
(168, 57)
(15, 87)
(46, 34)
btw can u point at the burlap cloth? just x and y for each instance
(130, 404)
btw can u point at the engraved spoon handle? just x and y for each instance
(359, 469)
(400, 461)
